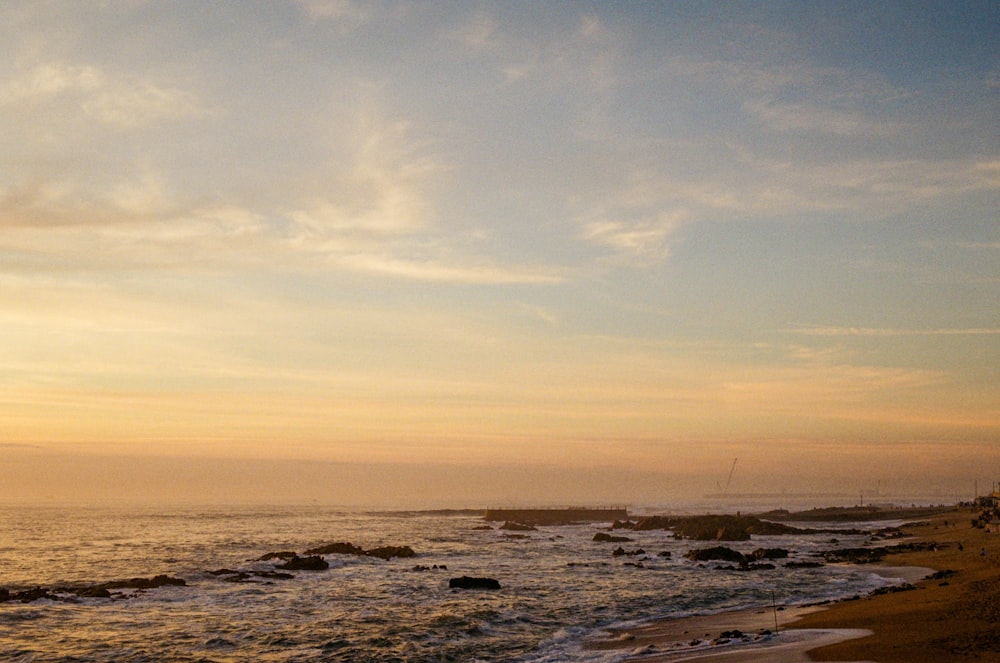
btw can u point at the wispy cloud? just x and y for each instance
(889, 332)
(433, 271)
(121, 102)
(646, 238)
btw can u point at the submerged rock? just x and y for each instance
(517, 527)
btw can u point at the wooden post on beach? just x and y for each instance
(774, 609)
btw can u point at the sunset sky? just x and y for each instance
(496, 252)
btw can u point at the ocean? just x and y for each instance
(559, 587)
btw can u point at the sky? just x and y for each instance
(497, 253)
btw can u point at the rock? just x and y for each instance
(716, 553)
(665, 553)
(388, 552)
(4, 595)
(143, 583)
(284, 554)
(608, 538)
(715, 527)
(239, 576)
(803, 565)
(93, 593)
(341, 548)
(310, 563)
(518, 527)
(34, 594)
(619, 551)
(466, 582)
(223, 572)
(769, 553)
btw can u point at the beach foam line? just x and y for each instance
(789, 646)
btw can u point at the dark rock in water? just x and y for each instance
(483, 528)
(518, 527)
(274, 575)
(608, 538)
(25, 595)
(665, 553)
(803, 565)
(769, 553)
(465, 582)
(716, 553)
(341, 548)
(223, 572)
(517, 537)
(310, 563)
(143, 583)
(388, 552)
(715, 527)
(872, 555)
(854, 555)
(619, 551)
(284, 554)
(345, 548)
(622, 524)
(239, 576)
(100, 590)
(93, 593)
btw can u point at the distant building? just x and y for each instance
(989, 501)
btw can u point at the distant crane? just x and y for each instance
(730, 478)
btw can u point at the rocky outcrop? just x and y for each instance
(768, 553)
(715, 527)
(619, 552)
(388, 552)
(99, 590)
(340, 548)
(345, 548)
(717, 553)
(875, 554)
(608, 538)
(309, 563)
(466, 582)
(283, 555)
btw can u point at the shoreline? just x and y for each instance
(911, 626)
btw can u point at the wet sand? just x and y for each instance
(945, 619)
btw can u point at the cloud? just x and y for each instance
(434, 271)
(889, 331)
(342, 11)
(643, 238)
(122, 103)
(814, 119)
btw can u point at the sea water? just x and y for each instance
(558, 586)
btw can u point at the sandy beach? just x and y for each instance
(950, 618)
